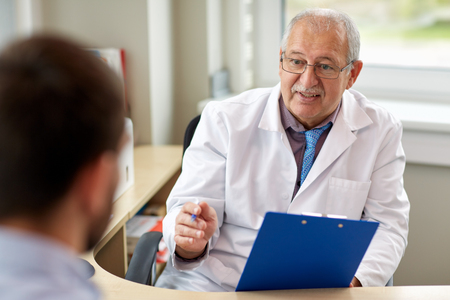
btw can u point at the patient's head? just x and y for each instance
(60, 109)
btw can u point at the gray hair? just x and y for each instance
(333, 18)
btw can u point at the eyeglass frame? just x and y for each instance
(314, 65)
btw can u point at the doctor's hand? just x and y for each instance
(191, 237)
(355, 283)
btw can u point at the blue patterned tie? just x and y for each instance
(312, 136)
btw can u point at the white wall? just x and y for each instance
(267, 42)
(172, 47)
(111, 23)
(191, 72)
(214, 39)
(7, 21)
(161, 85)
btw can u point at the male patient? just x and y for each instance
(309, 144)
(61, 127)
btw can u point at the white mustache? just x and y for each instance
(298, 87)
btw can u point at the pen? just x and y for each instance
(193, 217)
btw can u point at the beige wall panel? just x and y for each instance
(427, 258)
(111, 23)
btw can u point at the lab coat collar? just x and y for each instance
(350, 118)
(353, 115)
(351, 112)
(271, 119)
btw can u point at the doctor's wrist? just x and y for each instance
(186, 256)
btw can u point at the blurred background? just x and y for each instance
(180, 54)
(395, 32)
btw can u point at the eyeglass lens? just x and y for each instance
(299, 66)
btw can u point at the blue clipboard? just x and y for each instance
(305, 252)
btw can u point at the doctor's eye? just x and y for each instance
(325, 67)
(297, 62)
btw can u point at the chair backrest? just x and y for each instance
(142, 268)
(189, 133)
(390, 282)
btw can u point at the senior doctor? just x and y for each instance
(309, 144)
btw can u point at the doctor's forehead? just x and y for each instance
(328, 42)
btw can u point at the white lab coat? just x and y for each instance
(241, 163)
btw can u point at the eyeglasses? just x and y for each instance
(298, 66)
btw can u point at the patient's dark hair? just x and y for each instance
(60, 108)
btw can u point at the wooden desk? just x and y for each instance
(156, 169)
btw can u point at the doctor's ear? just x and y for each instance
(354, 73)
(279, 64)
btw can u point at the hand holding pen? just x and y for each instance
(194, 226)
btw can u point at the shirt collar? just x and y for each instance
(288, 120)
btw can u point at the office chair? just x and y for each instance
(142, 268)
(189, 133)
(390, 282)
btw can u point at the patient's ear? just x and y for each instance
(354, 73)
(97, 182)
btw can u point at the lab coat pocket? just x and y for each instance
(347, 197)
(216, 271)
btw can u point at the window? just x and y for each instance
(395, 32)
(7, 21)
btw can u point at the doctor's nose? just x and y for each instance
(309, 78)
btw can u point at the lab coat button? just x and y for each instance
(285, 196)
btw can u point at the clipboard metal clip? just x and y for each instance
(311, 214)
